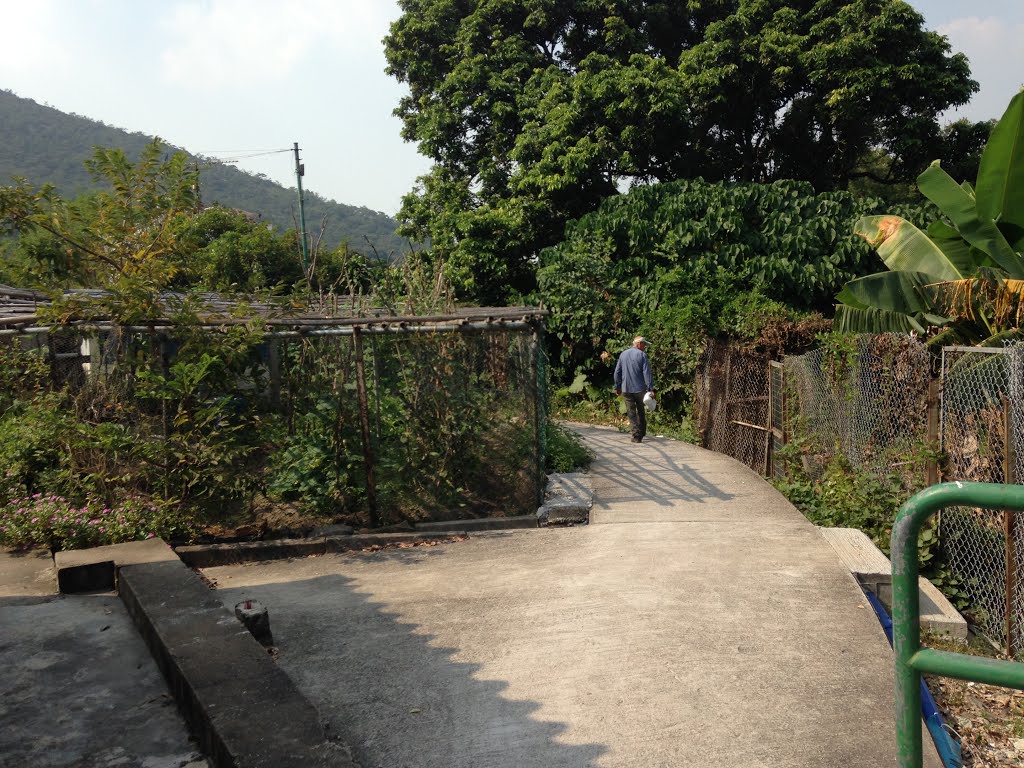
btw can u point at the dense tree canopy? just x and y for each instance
(536, 110)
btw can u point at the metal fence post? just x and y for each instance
(934, 393)
(1009, 527)
(364, 423)
(540, 410)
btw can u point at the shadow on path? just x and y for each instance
(383, 685)
(651, 471)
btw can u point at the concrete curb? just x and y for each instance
(211, 555)
(480, 524)
(873, 571)
(244, 710)
(95, 569)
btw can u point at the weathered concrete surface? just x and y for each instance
(698, 621)
(211, 555)
(568, 499)
(26, 577)
(78, 689)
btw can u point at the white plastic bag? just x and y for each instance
(649, 402)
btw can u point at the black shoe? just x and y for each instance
(638, 439)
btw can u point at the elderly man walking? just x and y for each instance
(632, 381)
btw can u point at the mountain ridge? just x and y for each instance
(45, 145)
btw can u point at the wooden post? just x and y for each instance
(364, 423)
(274, 370)
(1009, 527)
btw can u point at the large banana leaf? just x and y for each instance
(977, 229)
(905, 248)
(1000, 187)
(903, 292)
(873, 320)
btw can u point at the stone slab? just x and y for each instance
(213, 555)
(874, 571)
(568, 499)
(26, 576)
(243, 709)
(209, 555)
(94, 569)
(563, 512)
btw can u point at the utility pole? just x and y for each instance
(300, 171)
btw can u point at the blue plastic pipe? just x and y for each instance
(948, 749)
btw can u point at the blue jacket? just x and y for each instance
(633, 371)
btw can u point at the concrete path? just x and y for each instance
(78, 688)
(699, 620)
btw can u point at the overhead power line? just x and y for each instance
(226, 156)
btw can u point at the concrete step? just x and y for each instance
(874, 572)
(94, 570)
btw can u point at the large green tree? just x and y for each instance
(535, 110)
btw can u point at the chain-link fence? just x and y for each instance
(372, 423)
(866, 404)
(982, 413)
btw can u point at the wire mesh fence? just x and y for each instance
(369, 424)
(866, 405)
(981, 428)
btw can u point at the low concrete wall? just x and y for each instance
(243, 709)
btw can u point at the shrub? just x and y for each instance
(57, 523)
(565, 451)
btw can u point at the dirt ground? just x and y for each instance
(987, 720)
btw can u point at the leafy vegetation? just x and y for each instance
(565, 451)
(535, 112)
(189, 416)
(688, 259)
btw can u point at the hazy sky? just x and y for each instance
(229, 78)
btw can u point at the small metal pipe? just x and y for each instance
(977, 668)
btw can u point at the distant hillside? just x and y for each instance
(48, 146)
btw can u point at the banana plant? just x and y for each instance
(965, 275)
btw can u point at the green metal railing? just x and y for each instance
(911, 659)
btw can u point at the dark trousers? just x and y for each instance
(637, 413)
